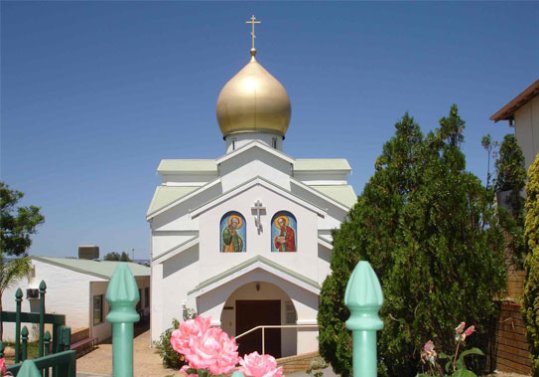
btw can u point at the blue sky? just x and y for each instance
(95, 94)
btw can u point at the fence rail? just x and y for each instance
(264, 327)
(61, 360)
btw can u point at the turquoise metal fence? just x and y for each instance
(61, 361)
(363, 297)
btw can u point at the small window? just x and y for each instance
(139, 302)
(147, 297)
(98, 309)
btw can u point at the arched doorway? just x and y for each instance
(261, 303)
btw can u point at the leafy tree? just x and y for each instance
(112, 256)
(115, 256)
(425, 225)
(17, 224)
(11, 271)
(531, 287)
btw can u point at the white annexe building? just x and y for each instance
(246, 238)
(76, 288)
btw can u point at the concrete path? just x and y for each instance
(147, 363)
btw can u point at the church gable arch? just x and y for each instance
(233, 234)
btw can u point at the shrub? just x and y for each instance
(171, 358)
(530, 305)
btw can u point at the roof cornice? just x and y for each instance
(252, 264)
(507, 112)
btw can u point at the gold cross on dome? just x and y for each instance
(253, 35)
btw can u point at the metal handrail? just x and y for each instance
(264, 327)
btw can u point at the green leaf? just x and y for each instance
(464, 373)
(448, 366)
(471, 351)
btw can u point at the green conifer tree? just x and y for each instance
(424, 224)
(530, 305)
(510, 182)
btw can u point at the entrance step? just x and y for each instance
(297, 363)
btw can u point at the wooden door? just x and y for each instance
(252, 313)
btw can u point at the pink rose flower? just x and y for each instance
(429, 354)
(460, 328)
(256, 365)
(469, 331)
(428, 347)
(181, 338)
(213, 350)
(3, 369)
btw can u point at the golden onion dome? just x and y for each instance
(253, 101)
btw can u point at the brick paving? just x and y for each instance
(147, 363)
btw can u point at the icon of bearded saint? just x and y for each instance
(286, 239)
(232, 241)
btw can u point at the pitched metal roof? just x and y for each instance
(165, 195)
(187, 166)
(320, 164)
(101, 269)
(343, 194)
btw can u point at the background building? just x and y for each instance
(76, 288)
(522, 112)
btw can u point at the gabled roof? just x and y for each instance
(508, 111)
(343, 194)
(255, 145)
(251, 264)
(165, 195)
(187, 166)
(159, 204)
(100, 269)
(257, 181)
(321, 164)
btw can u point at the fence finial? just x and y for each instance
(29, 369)
(122, 295)
(364, 298)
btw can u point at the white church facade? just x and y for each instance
(246, 238)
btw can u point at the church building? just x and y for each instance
(246, 238)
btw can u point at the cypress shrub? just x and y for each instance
(426, 226)
(531, 287)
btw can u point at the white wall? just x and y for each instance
(527, 129)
